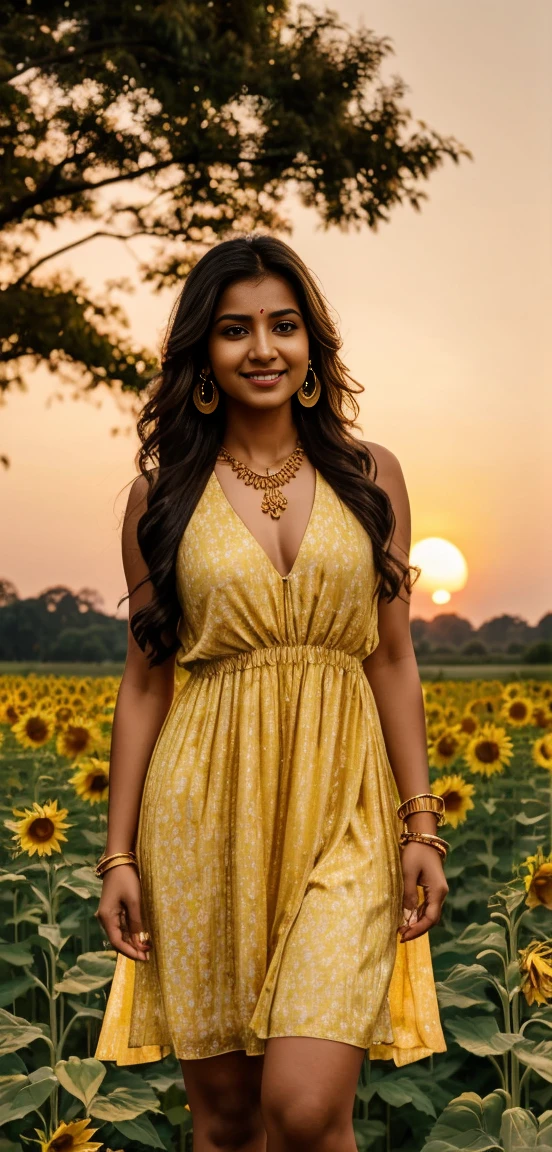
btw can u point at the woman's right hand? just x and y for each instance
(120, 911)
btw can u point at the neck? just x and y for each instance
(259, 439)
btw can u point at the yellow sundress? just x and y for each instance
(268, 837)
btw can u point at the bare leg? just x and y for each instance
(307, 1094)
(224, 1096)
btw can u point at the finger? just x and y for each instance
(429, 914)
(136, 927)
(120, 939)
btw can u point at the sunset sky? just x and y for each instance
(444, 315)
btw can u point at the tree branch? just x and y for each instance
(75, 244)
(73, 54)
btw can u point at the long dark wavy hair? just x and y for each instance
(182, 443)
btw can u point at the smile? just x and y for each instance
(264, 377)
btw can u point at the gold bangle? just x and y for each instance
(433, 803)
(440, 845)
(107, 862)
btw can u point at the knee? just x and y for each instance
(304, 1120)
(231, 1126)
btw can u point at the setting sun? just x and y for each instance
(444, 569)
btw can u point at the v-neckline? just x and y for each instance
(254, 538)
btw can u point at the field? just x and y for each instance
(490, 751)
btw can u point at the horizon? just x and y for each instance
(444, 316)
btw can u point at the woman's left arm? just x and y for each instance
(392, 672)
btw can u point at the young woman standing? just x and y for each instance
(269, 919)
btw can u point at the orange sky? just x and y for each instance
(443, 315)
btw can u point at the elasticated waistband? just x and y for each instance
(279, 654)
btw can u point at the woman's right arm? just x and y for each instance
(143, 701)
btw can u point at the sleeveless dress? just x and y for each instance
(268, 837)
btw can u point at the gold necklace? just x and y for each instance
(274, 500)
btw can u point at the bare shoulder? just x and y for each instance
(387, 463)
(391, 479)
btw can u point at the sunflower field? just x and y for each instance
(490, 751)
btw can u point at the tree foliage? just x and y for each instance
(179, 122)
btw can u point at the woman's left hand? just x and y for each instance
(421, 865)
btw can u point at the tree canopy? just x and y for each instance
(182, 121)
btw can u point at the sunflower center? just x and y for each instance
(453, 801)
(62, 1143)
(487, 751)
(98, 782)
(546, 752)
(468, 725)
(543, 889)
(78, 738)
(447, 746)
(36, 728)
(518, 711)
(41, 829)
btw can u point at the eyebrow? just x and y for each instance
(245, 316)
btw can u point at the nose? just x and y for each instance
(262, 347)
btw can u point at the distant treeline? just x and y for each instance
(65, 626)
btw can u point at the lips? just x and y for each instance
(264, 377)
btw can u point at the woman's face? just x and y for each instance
(259, 347)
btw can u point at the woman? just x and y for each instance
(253, 855)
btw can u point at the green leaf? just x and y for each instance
(473, 938)
(480, 1035)
(129, 1098)
(523, 819)
(92, 970)
(52, 933)
(11, 989)
(12, 1063)
(462, 1125)
(141, 1130)
(518, 1130)
(80, 1078)
(465, 986)
(83, 1010)
(537, 1056)
(15, 1032)
(367, 1132)
(83, 882)
(12, 877)
(22, 1094)
(404, 1091)
(15, 954)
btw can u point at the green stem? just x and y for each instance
(54, 1035)
(387, 1128)
(499, 1070)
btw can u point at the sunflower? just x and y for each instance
(468, 724)
(536, 971)
(489, 750)
(78, 738)
(482, 706)
(538, 880)
(514, 689)
(457, 794)
(34, 728)
(542, 751)
(445, 747)
(39, 830)
(10, 710)
(62, 713)
(73, 1137)
(91, 780)
(518, 711)
(541, 717)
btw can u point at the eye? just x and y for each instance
(291, 327)
(233, 330)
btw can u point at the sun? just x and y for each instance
(444, 568)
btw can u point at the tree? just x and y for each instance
(179, 122)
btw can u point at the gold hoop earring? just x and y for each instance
(310, 390)
(201, 401)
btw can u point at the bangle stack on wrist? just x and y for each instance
(107, 862)
(424, 802)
